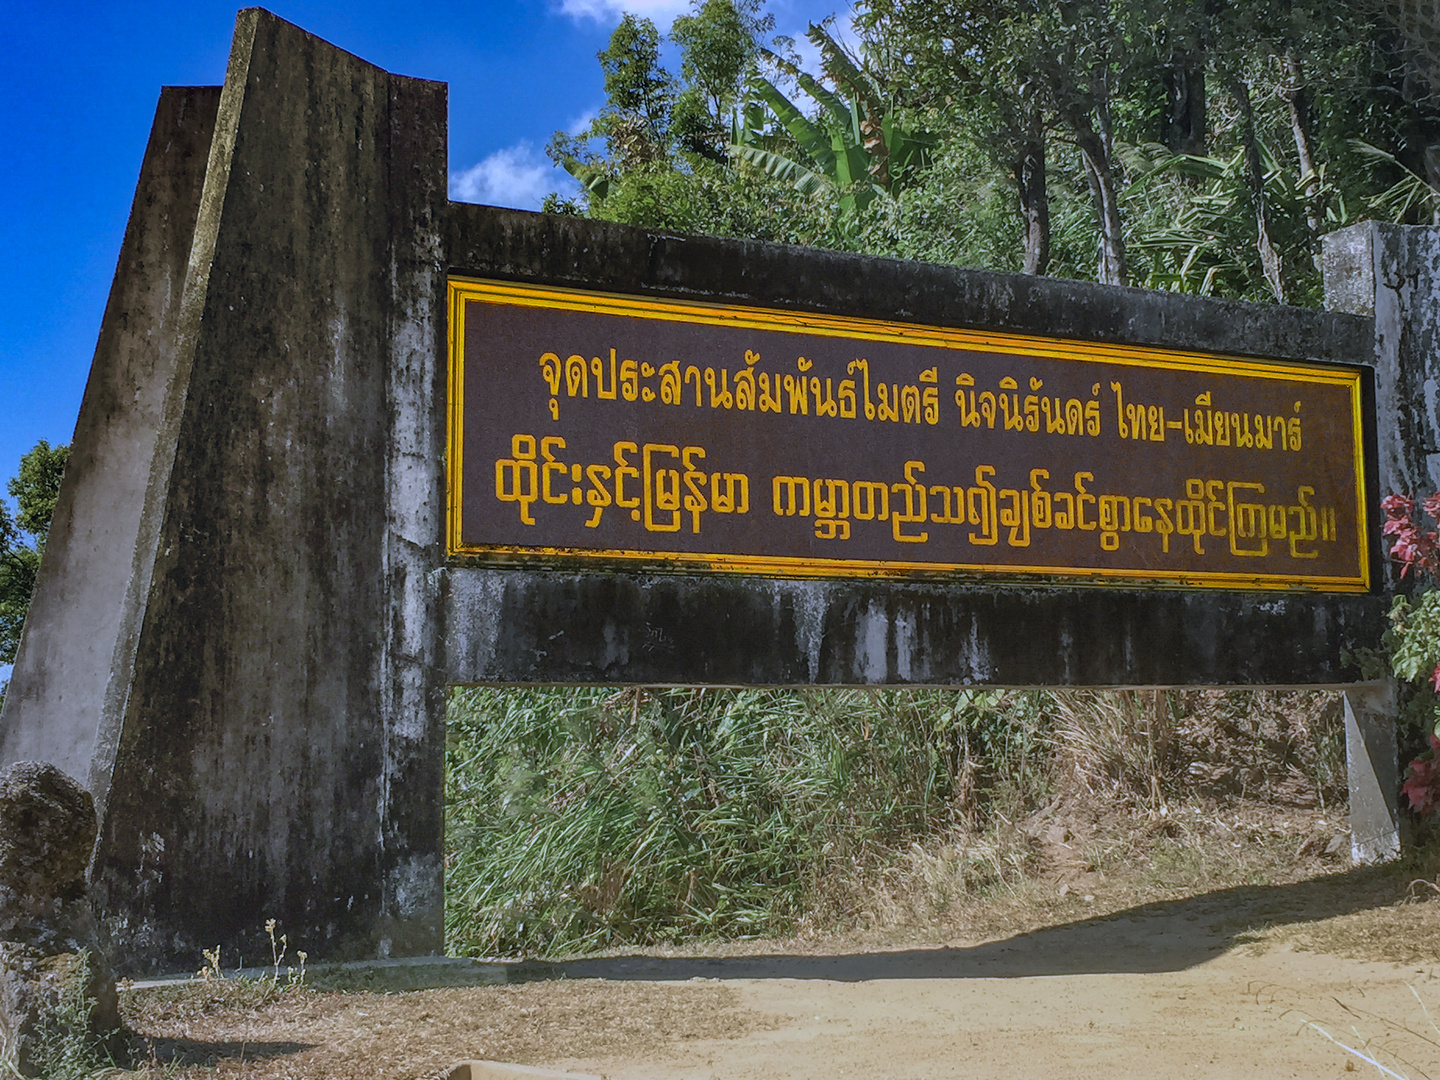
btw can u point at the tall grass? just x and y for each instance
(584, 818)
(592, 818)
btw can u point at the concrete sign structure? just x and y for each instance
(295, 515)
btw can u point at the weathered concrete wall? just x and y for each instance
(535, 626)
(1392, 273)
(281, 747)
(72, 672)
(558, 250)
(532, 626)
(1373, 771)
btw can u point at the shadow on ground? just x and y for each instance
(183, 1052)
(1168, 935)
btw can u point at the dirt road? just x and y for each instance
(1216, 985)
(1131, 998)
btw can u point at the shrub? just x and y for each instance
(1413, 639)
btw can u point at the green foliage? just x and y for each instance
(35, 488)
(588, 818)
(18, 567)
(1190, 147)
(653, 122)
(858, 144)
(1102, 80)
(1196, 228)
(718, 45)
(706, 199)
(1413, 643)
(64, 1048)
(637, 86)
(721, 149)
(960, 212)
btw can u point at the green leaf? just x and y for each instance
(813, 140)
(806, 181)
(592, 178)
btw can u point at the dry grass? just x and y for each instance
(1403, 928)
(1277, 888)
(198, 1031)
(1259, 897)
(1153, 795)
(1085, 858)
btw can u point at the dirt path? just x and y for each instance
(1011, 1010)
(1217, 985)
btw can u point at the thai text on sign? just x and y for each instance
(589, 428)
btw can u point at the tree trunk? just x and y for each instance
(1297, 98)
(1185, 106)
(1030, 184)
(1111, 268)
(1270, 263)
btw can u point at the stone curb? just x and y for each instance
(404, 973)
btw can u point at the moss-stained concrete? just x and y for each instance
(536, 626)
(69, 687)
(246, 623)
(279, 754)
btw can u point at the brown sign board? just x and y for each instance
(590, 429)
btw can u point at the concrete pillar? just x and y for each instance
(1372, 762)
(1392, 273)
(234, 638)
(72, 673)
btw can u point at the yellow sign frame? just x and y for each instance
(462, 290)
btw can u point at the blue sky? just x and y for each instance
(78, 85)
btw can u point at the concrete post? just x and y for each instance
(1392, 273)
(71, 677)
(1372, 763)
(234, 638)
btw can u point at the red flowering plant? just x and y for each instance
(1414, 635)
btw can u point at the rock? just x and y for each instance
(56, 986)
(47, 831)
(54, 1006)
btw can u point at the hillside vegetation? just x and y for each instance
(584, 819)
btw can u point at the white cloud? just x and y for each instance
(582, 123)
(610, 11)
(842, 29)
(518, 176)
(793, 24)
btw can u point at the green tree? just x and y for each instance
(634, 123)
(1320, 123)
(982, 93)
(1190, 145)
(640, 91)
(857, 146)
(718, 46)
(1009, 77)
(658, 154)
(1215, 143)
(35, 488)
